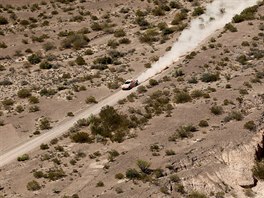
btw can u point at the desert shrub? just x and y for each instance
(203, 123)
(3, 20)
(197, 93)
(234, 115)
(242, 59)
(174, 178)
(33, 108)
(22, 158)
(210, 77)
(44, 124)
(182, 97)
(170, 152)
(110, 124)
(184, 131)
(216, 110)
(198, 11)
(196, 194)
(258, 170)
(3, 45)
(177, 73)
(153, 82)
(55, 174)
(47, 92)
(38, 174)
(45, 65)
(142, 22)
(105, 60)
(44, 146)
(88, 52)
(7, 102)
(157, 11)
(179, 17)
(75, 40)
(112, 43)
(90, 99)
(112, 155)
(24, 93)
(33, 185)
(119, 176)
(81, 137)
(250, 125)
(144, 166)
(119, 190)
(34, 59)
(230, 27)
(80, 61)
(48, 46)
(141, 89)
(247, 14)
(132, 174)
(124, 41)
(19, 108)
(149, 36)
(96, 27)
(33, 100)
(100, 184)
(119, 33)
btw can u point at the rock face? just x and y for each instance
(232, 172)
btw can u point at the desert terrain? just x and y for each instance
(194, 130)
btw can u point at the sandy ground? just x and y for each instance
(204, 162)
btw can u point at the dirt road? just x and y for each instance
(61, 128)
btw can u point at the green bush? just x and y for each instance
(250, 125)
(203, 123)
(90, 99)
(182, 97)
(198, 11)
(45, 65)
(100, 184)
(23, 158)
(44, 124)
(75, 40)
(80, 61)
(196, 194)
(44, 146)
(119, 33)
(216, 110)
(33, 100)
(210, 77)
(247, 14)
(170, 152)
(234, 115)
(55, 174)
(119, 176)
(81, 137)
(230, 27)
(110, 124)
(184, 131)
(153, 82)
(24, 93)
(3, 20)
(34, 59)
(132, 174)
(144, 166)
(33, 185)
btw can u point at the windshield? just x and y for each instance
(128, 82)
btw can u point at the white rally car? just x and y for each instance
(129, 84)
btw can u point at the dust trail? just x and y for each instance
(200, 28)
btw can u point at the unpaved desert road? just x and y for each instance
(61, 128)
